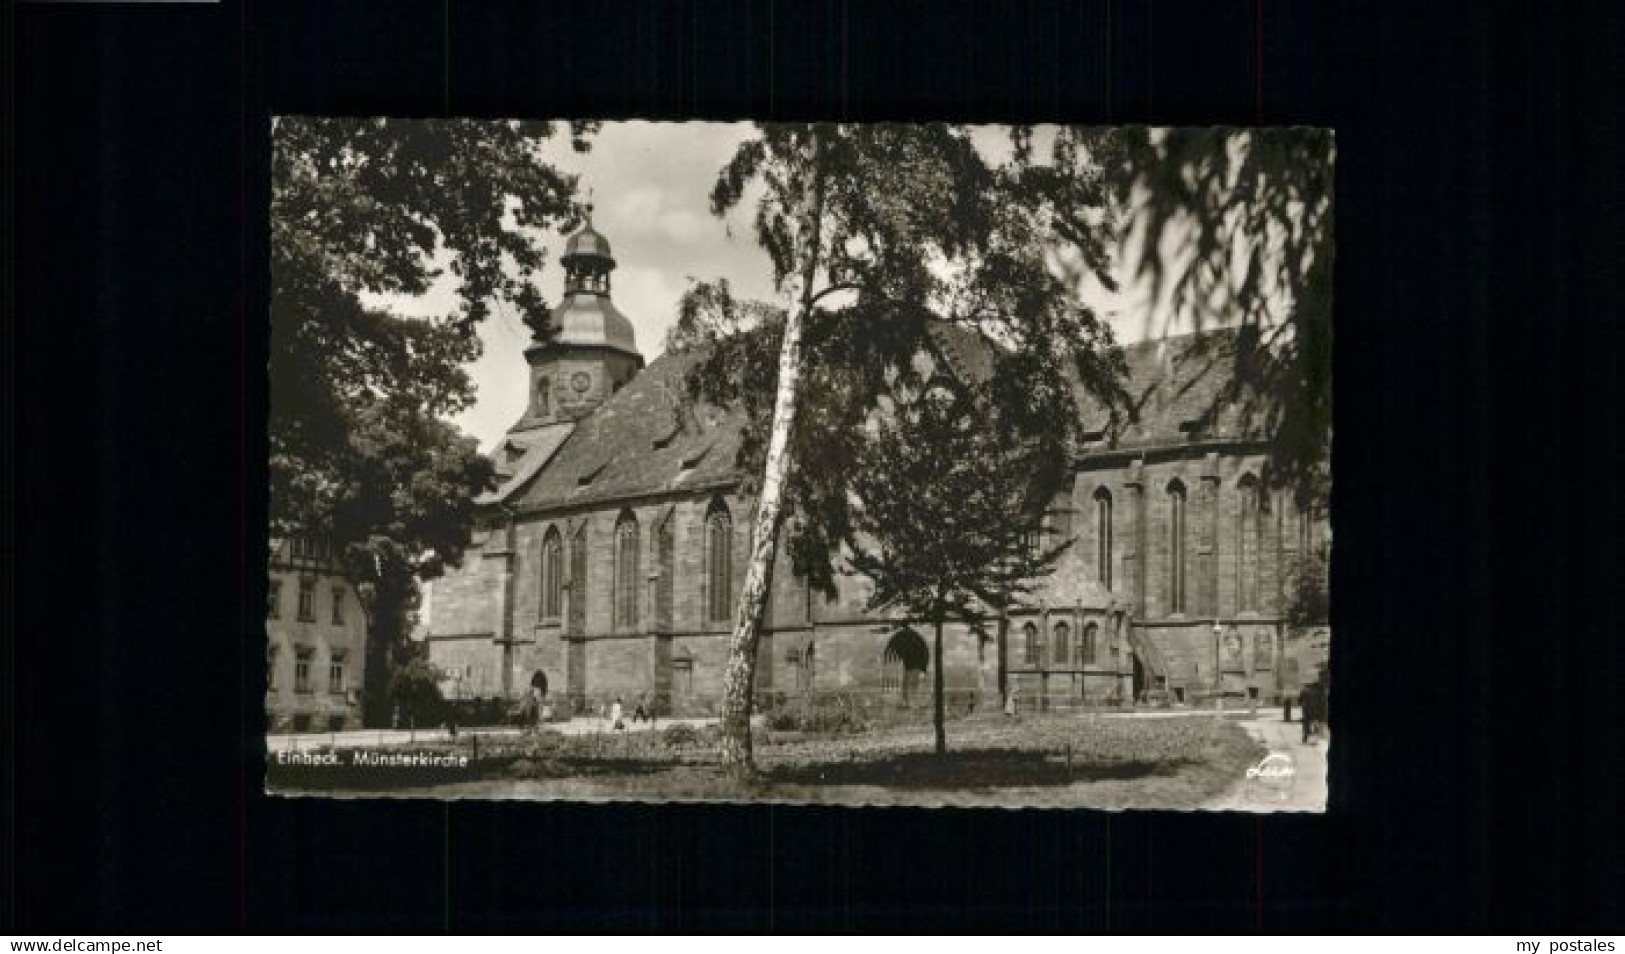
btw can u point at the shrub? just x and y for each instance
(415, 687)
(679, 734)
(835, 714)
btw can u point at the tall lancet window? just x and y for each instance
(1176, 547)
(1247, 538)
(719, 563)
(1103, 537)
(626, 570)
(552, 574)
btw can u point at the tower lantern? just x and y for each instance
(586, 349)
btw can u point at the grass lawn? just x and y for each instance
(1054, 760)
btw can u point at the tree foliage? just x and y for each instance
(359, 447)
(923, 235)
(1307, 594)
(949, 490)
(876, 235)
(1234, 228)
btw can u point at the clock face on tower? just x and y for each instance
(580, 381)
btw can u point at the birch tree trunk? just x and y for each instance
(740, 677)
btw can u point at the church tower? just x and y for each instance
(592, 351)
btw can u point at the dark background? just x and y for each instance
(1476, 774)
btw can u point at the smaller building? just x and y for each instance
(317, 640)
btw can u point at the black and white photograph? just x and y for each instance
(858, 464)
(730, 467)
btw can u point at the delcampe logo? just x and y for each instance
(1275, 775)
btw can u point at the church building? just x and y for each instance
(612, 554)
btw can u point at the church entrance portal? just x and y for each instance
(903, 666)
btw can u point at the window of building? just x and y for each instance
(338, 606)
(335, 672)
(271, 653)
(307, 599)
(1089, 651)
(626, 570)
(1247, 545)
(719, 562)
(302, 656)
(1176, 547)
(1103, 537)
(1033, 649)
(552, 574)
(273, 600)
(1063, 642)
(578, 578)
(544, 395)
(1263, 651)
(666, 566)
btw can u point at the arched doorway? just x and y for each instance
(1139, 677)
(903, 665)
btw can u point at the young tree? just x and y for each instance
(949, 492)
(876, 234)
(358, 447)
(1306, 602)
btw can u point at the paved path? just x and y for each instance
(1270, 791)
(360, 738)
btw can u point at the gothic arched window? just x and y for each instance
(626, 570)
(552, 574)
(666, 565)
(1090, 652)
(1247, 535)
(1176, 547)
(1063, 642)
(719, 563)
(1032, 648)
(1103, 537)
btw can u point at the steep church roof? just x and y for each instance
(633, 445)
(1174, 387)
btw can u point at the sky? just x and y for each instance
(650, 187)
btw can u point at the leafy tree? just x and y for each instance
(1307, 596)
(950, 487)
(358, 447)
(415, 688)
(876, 234)
(1234, 227)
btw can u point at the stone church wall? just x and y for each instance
(849, 644)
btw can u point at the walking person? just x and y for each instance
(1306, 710)
(615, 721)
